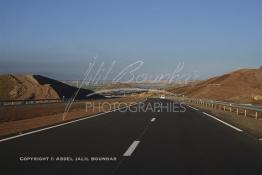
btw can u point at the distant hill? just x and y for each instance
(24, 87)
(118, 85)
(243, 86)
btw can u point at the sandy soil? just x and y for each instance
(242, 86)
(23, 118)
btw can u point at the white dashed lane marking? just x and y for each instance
(131, 148)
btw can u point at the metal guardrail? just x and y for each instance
(239, 109)
(26, 102)
(120, 92)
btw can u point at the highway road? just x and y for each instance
(136, 143)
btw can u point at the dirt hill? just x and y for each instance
(23, 87)
(242, 86)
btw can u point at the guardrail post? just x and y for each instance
(220, 106)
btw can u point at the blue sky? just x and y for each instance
(60, 38)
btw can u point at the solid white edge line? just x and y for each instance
(153, 119)
(193, 108)
(62, 124)
(131, 149)
(239, 130)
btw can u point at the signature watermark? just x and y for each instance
(99, 74)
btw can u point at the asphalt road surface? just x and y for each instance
(163, 140)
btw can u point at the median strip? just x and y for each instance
(131, 149)
(239, 130)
